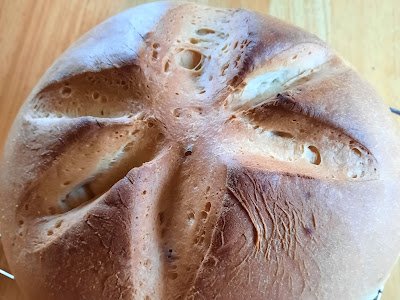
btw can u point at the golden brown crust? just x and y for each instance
(185, 152)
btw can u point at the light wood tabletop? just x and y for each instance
(34, 32)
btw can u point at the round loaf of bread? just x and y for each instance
(179, 151)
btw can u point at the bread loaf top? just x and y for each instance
(179, 151)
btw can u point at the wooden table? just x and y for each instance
(34, 32)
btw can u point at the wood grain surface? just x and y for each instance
(34, 32)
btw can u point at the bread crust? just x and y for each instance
(179, 151)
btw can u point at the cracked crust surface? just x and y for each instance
(186, 152)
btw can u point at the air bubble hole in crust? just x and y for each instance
(311, 153)
(66, 91)
(167, 66)
(173, 275)
(356, 151)
(58, 224)
(204, 31)
(95, 95)
(155, 55)
(282, 134)
(223, 70)
(190, 59)
(190, 218)
(177, 112)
